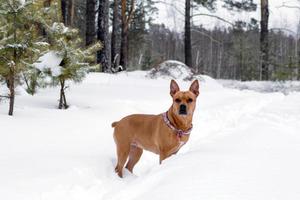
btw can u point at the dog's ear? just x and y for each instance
(194, 88)
(173, 88)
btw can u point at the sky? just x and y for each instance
(171, 14)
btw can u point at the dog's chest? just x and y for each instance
(179, 143)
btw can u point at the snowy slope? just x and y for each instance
(245, 144)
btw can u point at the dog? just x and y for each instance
(162, 134)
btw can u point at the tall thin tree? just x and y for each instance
(103, 35)
(264, 39)
(67, 7)
(116, 34)
(298, 51)
(90, 22)
(126, 18)
(187, 34)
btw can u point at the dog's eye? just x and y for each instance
(190, 100)
(177, 100)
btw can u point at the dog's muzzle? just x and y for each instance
(182, 109)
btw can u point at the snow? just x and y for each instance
(59, 27)
(22, 2)
(17, 46)
(245, 144)
(50, 61)
(285, 87)
(42, 43)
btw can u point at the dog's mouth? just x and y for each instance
(182, 113)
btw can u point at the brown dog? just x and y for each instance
(163, 134)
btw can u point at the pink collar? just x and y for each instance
(178, 132)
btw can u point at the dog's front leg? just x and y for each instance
(165, 154)
(162, 156)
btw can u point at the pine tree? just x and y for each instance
(66, 44)
(20, 44)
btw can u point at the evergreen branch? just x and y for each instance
(26, 80)
(27, 3)
(7, 60)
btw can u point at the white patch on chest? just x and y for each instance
(181, 143)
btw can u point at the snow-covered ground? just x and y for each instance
(285, 87)
(245, 144)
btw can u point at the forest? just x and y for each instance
(122, 35)
(241, 51)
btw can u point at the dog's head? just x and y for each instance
(184, 102)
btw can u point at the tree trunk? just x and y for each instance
(11, 75)
(71, 12)
(90, 22)
(116, 35)
(67, 8)
(298, 51)
(264, 40)
(124, 36)
(62, 99)
(103, 35)
(298, 67)
(11, 87)
(124, 47)
(64, 10)
(220, 57)
(187, 34)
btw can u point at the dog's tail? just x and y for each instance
(114, 124)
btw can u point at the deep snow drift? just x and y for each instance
(245, 144)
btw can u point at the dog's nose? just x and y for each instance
(182, 109)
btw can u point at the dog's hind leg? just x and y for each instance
(122, 154)
(134, 156)
(122, 157)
